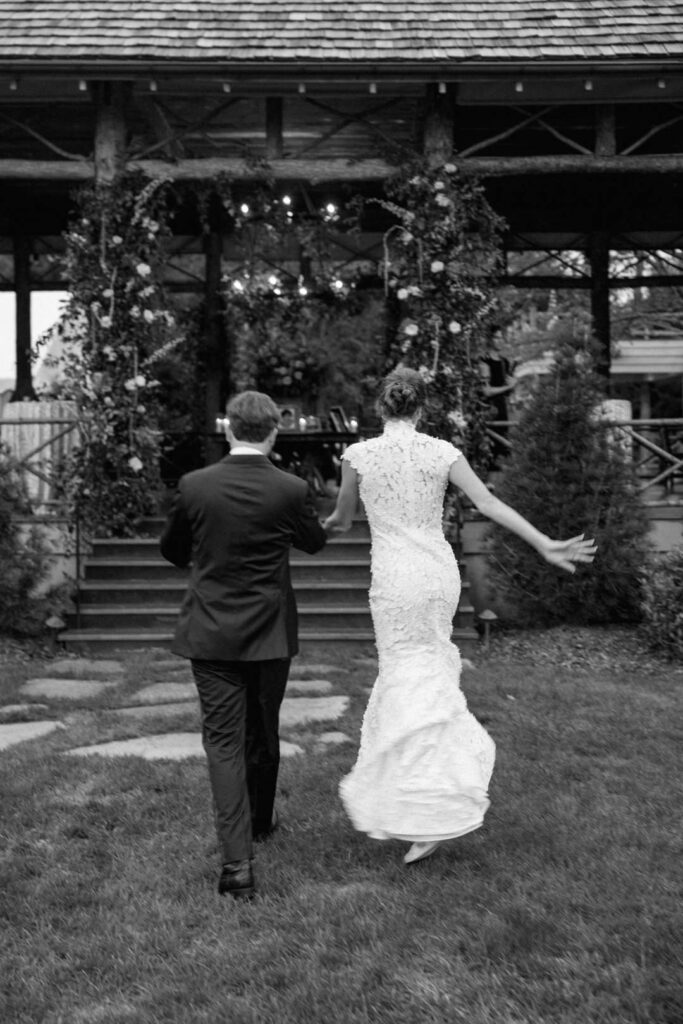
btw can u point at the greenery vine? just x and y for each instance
(116, 331)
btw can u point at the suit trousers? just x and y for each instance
(240, 704)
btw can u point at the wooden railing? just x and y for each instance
(656, 446)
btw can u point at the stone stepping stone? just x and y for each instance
(308, 687)
(308, 669)
(19, 732)
(152, 710)
(333, 739)
(170, 746)
(162, 693)
(67, 689)
(85, 668)
(302, 710)
(22, 712)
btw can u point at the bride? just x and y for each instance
(424, 762)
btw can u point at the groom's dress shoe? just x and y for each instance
(237, 880)
(261, 835)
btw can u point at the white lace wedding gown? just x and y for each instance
(424, 762)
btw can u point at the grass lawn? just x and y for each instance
(564, 909)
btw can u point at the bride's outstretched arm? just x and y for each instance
(562, 553)
(347, 501)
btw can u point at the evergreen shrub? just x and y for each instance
(662, 623)
(23, 559)
(569, 474)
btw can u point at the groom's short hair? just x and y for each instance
(252, 416)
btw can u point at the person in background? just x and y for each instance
(499, 382)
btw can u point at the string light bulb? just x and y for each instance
(519, 86)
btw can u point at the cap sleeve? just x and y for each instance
(354, 456)
(448, 454)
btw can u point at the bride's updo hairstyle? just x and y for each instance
(403, 392)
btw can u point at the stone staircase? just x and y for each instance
(129, 596)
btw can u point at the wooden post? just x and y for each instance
(274, 110)
(110, 130)
(598, 253)
(23, 387)
(213, 343)
(437, 144)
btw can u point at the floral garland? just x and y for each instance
(116, 328)
(441, 261)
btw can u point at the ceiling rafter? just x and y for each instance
(41, 138)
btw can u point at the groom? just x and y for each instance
(235, 522)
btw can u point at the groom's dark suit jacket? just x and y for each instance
(235, 521)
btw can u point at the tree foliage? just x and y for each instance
(570, 473)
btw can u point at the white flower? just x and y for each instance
(438, 185)
(143, 269)
(135, 312)
(107, 293)
(105, 321)
(130, 384)
(152, 226)
(406, 237)
(108, 401)
(147, 291)
(437, 266)
(116, 240)
(140, 381)
(454, 327)
(457, 419)
(442, 200)
(411, 330)
(402, 293)
(450, 168)
(148, 316)
(135, 463)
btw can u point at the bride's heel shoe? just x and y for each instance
(418, 851)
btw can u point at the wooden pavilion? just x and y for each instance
(573, 113)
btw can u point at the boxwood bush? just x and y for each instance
(662, 623)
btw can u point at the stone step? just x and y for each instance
(98, 592)
(96, 642)
(151, 527)
(155, 569)
(144, 549)
(121, 617)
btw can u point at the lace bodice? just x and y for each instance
(403, 476)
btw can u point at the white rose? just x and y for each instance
(130, 384)
(140, 381)
(454, 327)
(450, 168)
(438, 185)
(116, 240)
(437, 266)
(135, 463)
(148, 316)
(107, 293)
(442, 200)
(143, 269)
(402, 293)
(105, 321)
(411, 330)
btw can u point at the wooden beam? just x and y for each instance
(558, 281)
(110, 130)
(23, 388)
(318, 171)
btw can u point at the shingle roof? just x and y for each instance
(378, 31)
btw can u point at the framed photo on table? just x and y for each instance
(289, 417)
(339, 420)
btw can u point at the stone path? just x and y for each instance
(310, 698)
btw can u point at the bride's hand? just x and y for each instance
(565, 554)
